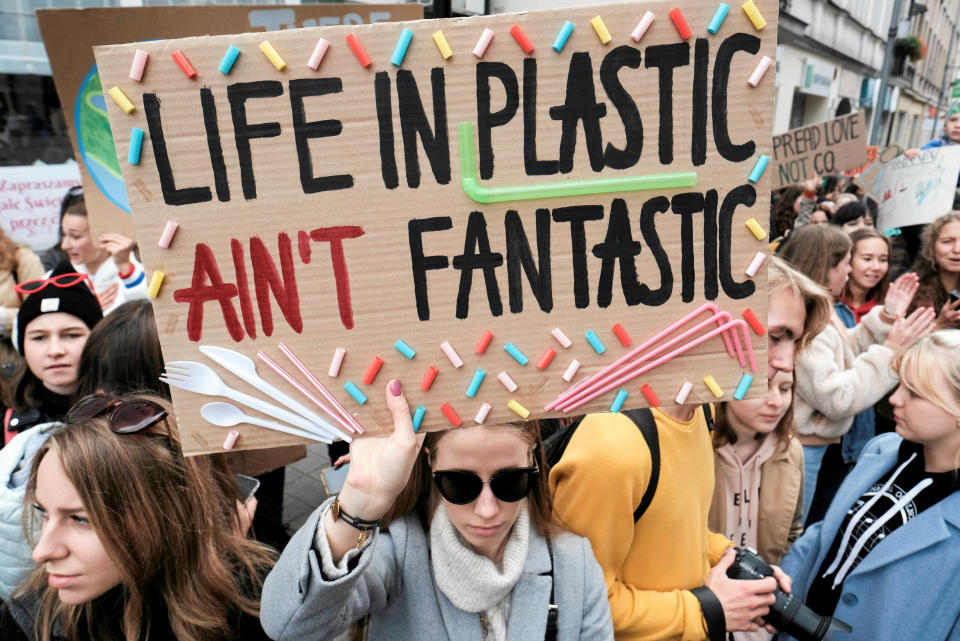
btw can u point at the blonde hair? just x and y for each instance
(782, 277)
(917, 362)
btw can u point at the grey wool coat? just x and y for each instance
(393, 582)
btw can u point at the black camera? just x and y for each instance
(788, 613)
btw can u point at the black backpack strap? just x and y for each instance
(554, 611)
(648, 428)
(708, 416)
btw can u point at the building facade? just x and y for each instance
(830, 58)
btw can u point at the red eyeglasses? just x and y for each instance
(61, 281)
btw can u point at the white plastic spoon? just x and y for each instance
(228, 415)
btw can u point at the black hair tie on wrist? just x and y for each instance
(354, 522)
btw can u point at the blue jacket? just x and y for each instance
(907, 586)
(864, 424)
(16, 561)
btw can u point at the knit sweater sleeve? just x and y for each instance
(836, 391)
(135, 283)
(596, 487)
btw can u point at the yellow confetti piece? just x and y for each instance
(272, 55)
(155, 281)
(602, 32)
(121, 99)
(754, 14)
(756, 228)
(442, 45)
(714, 387)
(519, 409)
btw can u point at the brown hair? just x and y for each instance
(420, 497)
(169, 524)
(785, 430)
(783, 213)
(122, 354)
(73, 203)
(926, 265)
(879, 291)
(815, 250)
(816, 300)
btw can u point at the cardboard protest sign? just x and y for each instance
(823, 148)
(912, 191)
(69, 36)
(30, 202)
(430, 200)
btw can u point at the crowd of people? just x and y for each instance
(844, 477)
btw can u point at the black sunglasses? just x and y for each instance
(125, 417)
(460, 487)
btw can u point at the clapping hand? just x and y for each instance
(906, 330)
(900, 294)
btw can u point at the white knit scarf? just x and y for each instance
(471, 581)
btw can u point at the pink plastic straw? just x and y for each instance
(303, 390)
(323, 390)
(663, 359)
(604, 377)
(596, 381)
(639, 348)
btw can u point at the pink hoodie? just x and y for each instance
(742, 485)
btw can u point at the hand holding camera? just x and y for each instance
(787, 613)
(744, 602)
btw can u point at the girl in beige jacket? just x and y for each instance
(758, 468)
(843, 371)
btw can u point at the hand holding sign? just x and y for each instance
(432, 199)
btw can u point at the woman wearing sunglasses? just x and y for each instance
(440, 536)
(135, 540)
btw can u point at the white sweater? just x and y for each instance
(837, 378)
(132, 287)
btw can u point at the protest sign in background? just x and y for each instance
(69, 36)
(828, 147)
(912, 191)
(433, 199)
(30, 202)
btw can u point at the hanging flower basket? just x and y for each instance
(911, 47)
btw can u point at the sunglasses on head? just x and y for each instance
(62, 281)
(461, 487)
(125, 417)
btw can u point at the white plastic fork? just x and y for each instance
(201, 379)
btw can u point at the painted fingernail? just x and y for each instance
(395, 388)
